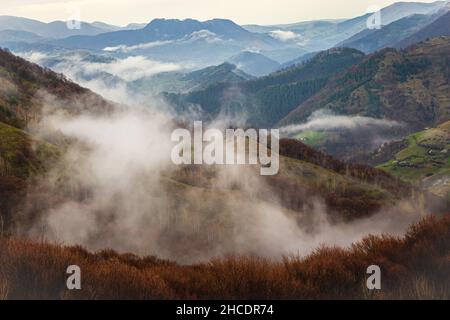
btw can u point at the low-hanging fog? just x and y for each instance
(324, 120)
(115, 186)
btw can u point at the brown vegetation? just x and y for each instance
(416, 266)
(298, 150)
(25, 88)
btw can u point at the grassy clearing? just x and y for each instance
(427, 155)
(311, 137)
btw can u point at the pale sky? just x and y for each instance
(122, 12)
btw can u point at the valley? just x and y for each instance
(357, 150)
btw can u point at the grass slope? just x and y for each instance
(426, 158)
(22, 155)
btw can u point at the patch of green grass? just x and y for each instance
(22, 155)
(413, 150)
(311, 137)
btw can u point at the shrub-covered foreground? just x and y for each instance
(416, 266)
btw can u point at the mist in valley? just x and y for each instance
(115, 186)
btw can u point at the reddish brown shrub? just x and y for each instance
(416, 267)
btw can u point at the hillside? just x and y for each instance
(55, 29)
(424, 159)
(7, 36)
(409, 86)
(253, 63)
(264, 101)
(235, 163)
(439, 27)
(370, 41)
(41, 178)
(324, 34)
(164, 30)
(196, 80)
(25, 90)
(348, 191)
(299, 60)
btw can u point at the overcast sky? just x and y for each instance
(122, 12)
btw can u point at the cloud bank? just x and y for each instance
(323, 120)
(110, 77)
(115, 187)
(287, 36)
(121, 191)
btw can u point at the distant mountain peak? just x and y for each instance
(227, 66)
(254, 63)
(162, 22)
(216, 23)
(223, 22)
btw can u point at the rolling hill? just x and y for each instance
(26, 86)
(18, 36)
(350, 191)
(191, 41)
(424, 159)
(264, 101)
(55, 29)
(25, 90)
(177, 82)
(322, 35)
(370, 41)
(409, 86)
(439, 27)
(166, 30)
(417, 265)
(91, 183)
(298, 60)
(254, 63)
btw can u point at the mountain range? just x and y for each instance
(320, 35)
(56, 29)
(266, 100)
(88, 120)
(351, 191)
(191, 41)
(414, 80)
(439, 27)
(256, 50)
(178, 82)
(254, 63)
(288, 92)
(401, 33)
(342, 82)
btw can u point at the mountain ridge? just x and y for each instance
(400, 67)
(267, 99)
(439, 27)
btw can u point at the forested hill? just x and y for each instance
(350, 191)
(26, 87)
(410, 86)
(439, 27)
(265, 101)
